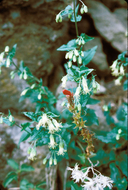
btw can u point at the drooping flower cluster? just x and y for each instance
(97, 182)
(49, 123)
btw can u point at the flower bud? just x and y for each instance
(25, 75)
(44, 161)
(121, 70)
(39, 96)
(74, 58)
(58, 18)
(50, 161)
(55, 161)
(6, 49)
(33, 86)
(69, 15)
(76, 52)
(79, 60)
(67, 55)
(119, 131)
(117, 137)
(23, 92)
(85, 9)
(70, 54)
(10, 118)
(8, 62)
(82, 53)
(83, 42)
(1, 56)
(69, 64)
(82, 10)
(79, 42)
(1, 119)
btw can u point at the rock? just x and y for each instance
(121, 14)
(102, 90)
(107, 25)
(99, 61)
(112, 4)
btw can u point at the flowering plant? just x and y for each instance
(67, 134)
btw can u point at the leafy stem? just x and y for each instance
(75, 19)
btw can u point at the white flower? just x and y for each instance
(115, 72)
(25, 75)
(79, 60)
(76, 52)
(74, 58)
(117, 82)
(39, 96)
(32, 154)
(64, 80)
(1, 119)
(119, 131)
(24, 92)
(52, 143)
(69, 64)
(8, 62)
(85, 86)
(61, 149)
(67, 55)
(10, 118)
(70, 54)
(117, 137)
(1, 56)
(58, 18)
(82, 53)
(85, 9)
(6, 49)
(51, 127)
(96, 86)
(77, 93)
(50, 161)
(113, 66)
(44, 119)
(58, 125)
(76, 174)
(121, 70)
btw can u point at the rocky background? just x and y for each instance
(31, 25)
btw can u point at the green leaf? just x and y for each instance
(71, 45)
(88, 55)
(92, 101)
(25, 135)
(33, 116)
(86, 37)
(91, 117)
(78, 18)
(120, 114)
(72, 188)
(13, 164)
(121, 162)
(41, 184)
(26, 168)
(125, 85)
(9, 178)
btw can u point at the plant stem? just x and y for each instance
(75, 18)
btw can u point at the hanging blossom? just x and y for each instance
(61, 149)
(48, 122)
(64, 80)
(85, 85)
(97, 182)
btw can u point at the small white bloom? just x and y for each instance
(113, 66)
(82, 10)
(115, 72)
(119, 131)
(23, 92)
(25, 75)
(76, 174)
(58, 125)
(10, 118)
(117, 82)
(85, 86)
(1, 56)
(61, 151)
(79, 60)
(50, 161)
(1, 119)
(8, 62)
(69, 64)
(76, 52)
(44, 120)
(83, 42)
(33, 86)
(51, 127)
(82, 53)
(52, 143)
(85, 9)
(74, 58)
(67, 55)
(70, 54)
(79, 42)
(121, 70)
(64, 80)
(39, 96)
(58, 18)
(6, 49)
(117, 137)
(77, 93)
(32, 154)
(55, 161)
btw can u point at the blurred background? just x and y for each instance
(31, 25)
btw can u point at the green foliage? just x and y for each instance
(9, 178)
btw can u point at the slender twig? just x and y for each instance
(75, 18)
